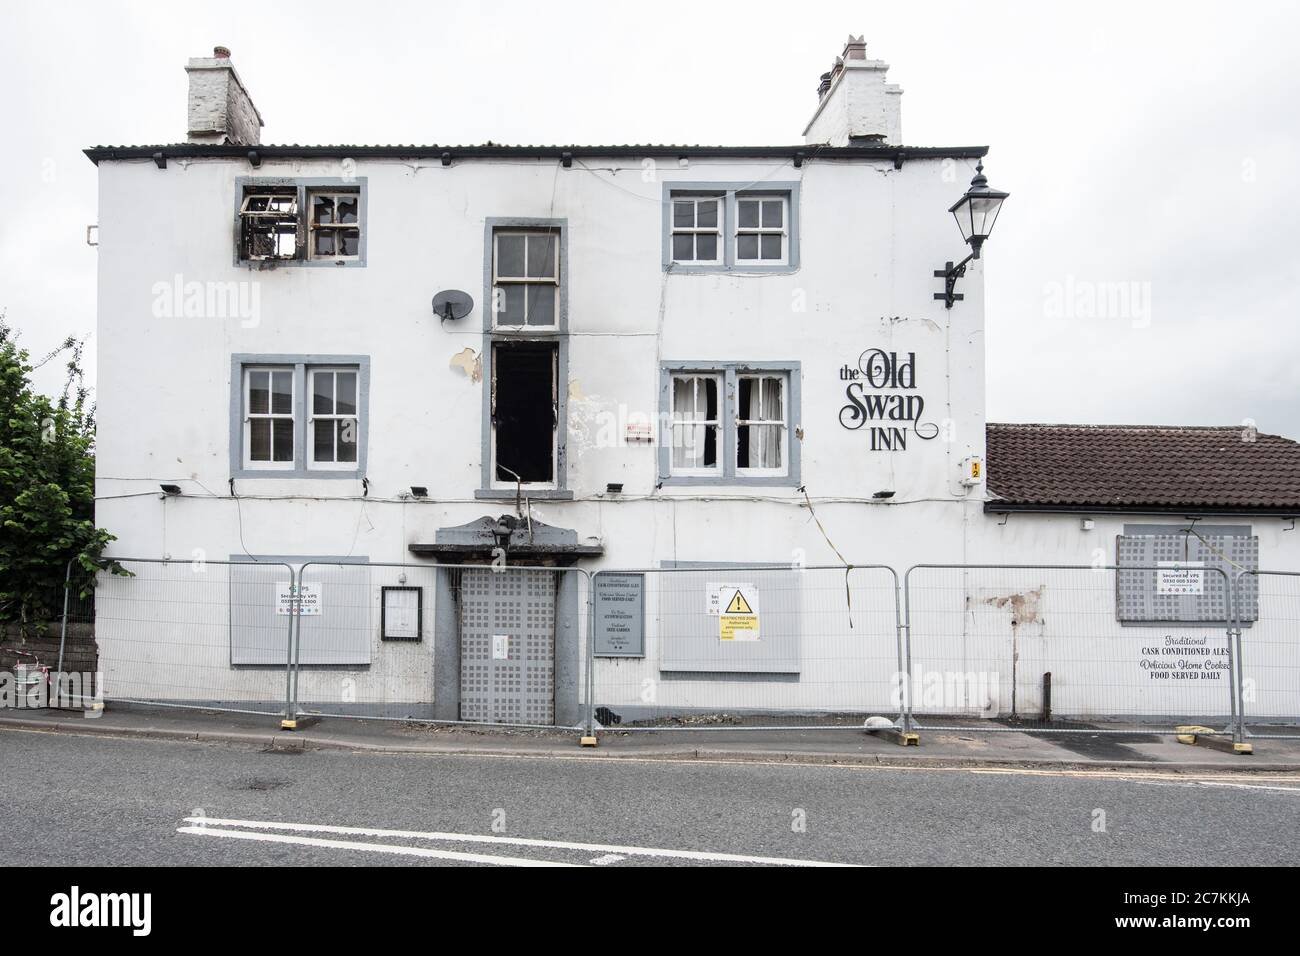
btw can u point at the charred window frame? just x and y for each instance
(552, 242)
(313, 222)
(757, 438)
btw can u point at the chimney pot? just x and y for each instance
(221, 52)
(856, 106)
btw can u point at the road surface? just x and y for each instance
(95, 801)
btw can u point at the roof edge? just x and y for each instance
(799, 153)
(1003, 506)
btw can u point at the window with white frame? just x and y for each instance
(333, 424)
(298, 416)
(761, 229)
(729, 423)
(696, 424)
(760, 424)
(526, 278)
(335, 224)
(697, 228)
(269, 419)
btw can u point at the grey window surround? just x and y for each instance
(727, 441)
(304, 186)
(559, 336)
(730, 191)
(301, 364)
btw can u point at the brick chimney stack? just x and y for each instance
(220, 109)
(856, 107)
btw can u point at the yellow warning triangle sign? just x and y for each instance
(739, 605)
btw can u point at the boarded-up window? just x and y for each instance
(1179, 584)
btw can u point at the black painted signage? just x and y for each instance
(882, 395)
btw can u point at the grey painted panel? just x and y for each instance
(689, 636)
(339, 635)
(258, 636)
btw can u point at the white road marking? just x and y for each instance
(422, 851)
(208, 824)
(607, 858)
(1247, 786)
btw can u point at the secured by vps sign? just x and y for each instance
(882, 396)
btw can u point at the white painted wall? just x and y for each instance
(871, 237)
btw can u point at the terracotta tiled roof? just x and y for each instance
(1133, 466)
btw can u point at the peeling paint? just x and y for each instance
(575, 390)
(469, 363)
(1026, 606)
(892, 320)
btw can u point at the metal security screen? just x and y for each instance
(507, 646)
(1150, 597)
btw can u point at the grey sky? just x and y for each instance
(1151, 143)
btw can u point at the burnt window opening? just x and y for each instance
(269, 224)
(292, 223)
(524, 412)
(335, 226)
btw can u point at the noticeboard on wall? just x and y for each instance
(620, 614)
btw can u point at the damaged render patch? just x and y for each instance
(892, 320)
(1025, 607)
(469, 363)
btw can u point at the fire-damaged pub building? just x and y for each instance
(483, 409)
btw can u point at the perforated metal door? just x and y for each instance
(507, 646)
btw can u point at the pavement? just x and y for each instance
(76, 799)
(961, 748)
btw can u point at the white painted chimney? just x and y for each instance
(220, 109)
(856, 106)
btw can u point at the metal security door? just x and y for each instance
(507, 646)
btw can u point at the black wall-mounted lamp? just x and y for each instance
(975, 212)
(170, 489)
(419, 491)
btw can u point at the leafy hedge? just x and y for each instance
(47, 485)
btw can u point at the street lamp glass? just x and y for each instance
(977, 211)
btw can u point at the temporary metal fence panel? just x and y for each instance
(208, 634)
(744, 647)
(1270, 653)
(369, 636)
(1018, 647)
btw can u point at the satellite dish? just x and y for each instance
(452, 304)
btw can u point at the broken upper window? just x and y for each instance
(524, 412)
(269, 225)
(335, 225)
(296, 222)
(526, 278)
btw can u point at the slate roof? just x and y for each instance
(1141, 467)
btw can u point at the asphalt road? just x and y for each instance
(93, 801)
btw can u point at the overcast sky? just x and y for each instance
(1151, 149)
